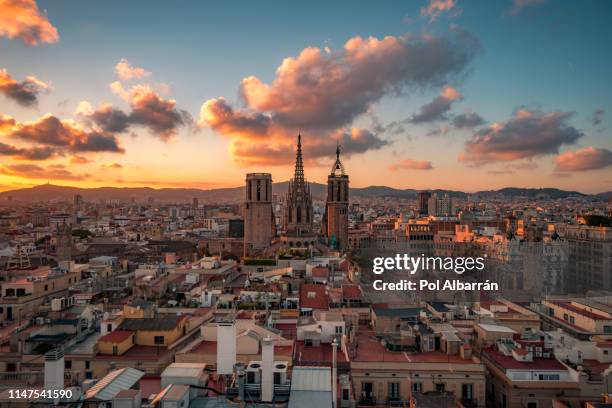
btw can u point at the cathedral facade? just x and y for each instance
(298, 217)
(297, 229)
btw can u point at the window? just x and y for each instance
(565, 317)
(345, 395)
(87, 364)
(338, 329)
(67, 364)
(394, 393)
(466, 392)
(159, 340)
(46, 288)
(308, 342)
(367, 389)
(115, 350)
(441, 387)
(607, 329)
(532, 404)
(417, 387)
(109, 327)
(549, 377)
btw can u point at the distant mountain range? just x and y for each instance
(50, 192)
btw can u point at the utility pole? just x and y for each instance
(334, 371)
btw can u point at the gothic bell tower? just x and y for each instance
(335, 220)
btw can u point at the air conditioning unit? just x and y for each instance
(253, 372)
(280, 372)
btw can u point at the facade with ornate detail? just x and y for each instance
(298, 219)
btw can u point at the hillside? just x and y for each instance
(50, 192)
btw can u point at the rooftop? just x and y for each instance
(115, 381)
(151, 324)
(313, 296)
(567, 305)
(399, 312)
(116, 336)
(509, 363)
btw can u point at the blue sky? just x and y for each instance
(549, 56)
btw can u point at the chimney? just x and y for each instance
(226, 347)
(465, 351)
(267, 378)
(54, 370)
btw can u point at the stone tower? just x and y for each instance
(259, 225)
(335, 220)
(63, 243)
(298, 210)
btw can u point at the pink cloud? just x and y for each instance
(126, 71)
(527, 134)
(409, 164)
(26, 92)
(436, 8)
(588, 158)
(320, 93)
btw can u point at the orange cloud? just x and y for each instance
(32, 171)
(79, 160)
(321, 92)
(436, 110)
(26, 92)
(23, 19)
(113, 165)
(588, 158)
(160, 116)
(51, 135)
(125, 71)
(409, 164)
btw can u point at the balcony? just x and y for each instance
(22, 379)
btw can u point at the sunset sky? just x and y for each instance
(464, 95)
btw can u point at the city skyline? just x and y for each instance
(420, 95)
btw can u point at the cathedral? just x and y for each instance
(298, 207)
(298, 232)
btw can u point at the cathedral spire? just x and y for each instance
(299, 164)
(338, 168)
